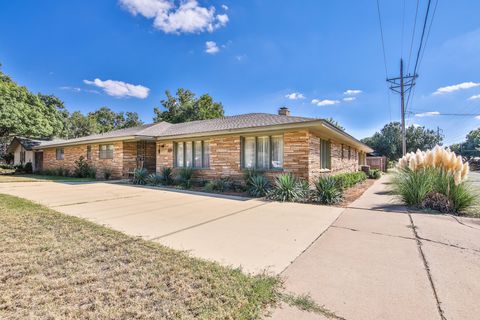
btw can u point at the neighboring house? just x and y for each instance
(217, 148)
(22, 150)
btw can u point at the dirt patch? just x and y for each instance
(355, 192)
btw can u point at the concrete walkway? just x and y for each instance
(377, 261)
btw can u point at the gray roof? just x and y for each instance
(249, 120)
(165, 129)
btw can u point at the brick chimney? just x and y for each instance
(283, 111)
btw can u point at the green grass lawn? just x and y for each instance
(57, 266)
(37, 177)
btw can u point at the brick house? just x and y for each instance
(224, 147)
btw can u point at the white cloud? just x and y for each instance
(477, 117)
(416, 125)
(188, 17)
(456, 87)
(325, 102)
(211, 47)
(120, 89)
(427, 114)
(225, 7)
(295, 96)
(475, 97)
(240, 57)
(352, 92)
(77, 89)
(348, 99)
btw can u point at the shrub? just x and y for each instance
(219, 185)
(167, 176)
(258, 186)
(420, 188)
(184, 177)
(349, 179)
(19, 168)
(436, 201)
(28, 168)
(107, 173)
(374, 174)
(287, 188)
(249, 174)
(6, 166)
(327, 191)
(155, 179)
(140, 176)
(83, 169)
(60, 172)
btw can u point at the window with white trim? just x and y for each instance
(192, 154)
(262, 152)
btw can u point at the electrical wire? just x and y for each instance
(381, 35)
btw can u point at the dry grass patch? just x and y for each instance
(58, 266)
(40, 178)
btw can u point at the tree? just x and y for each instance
(186, 107)
(470, 147)
(24, 113)
(334, 123)
(132, 120)
(388, 142)
(80, 125)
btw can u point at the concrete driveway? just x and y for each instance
(252, 234)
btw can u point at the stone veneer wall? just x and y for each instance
(72, 153)
(301, 157)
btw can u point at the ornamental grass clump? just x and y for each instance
(423, 176)
(287, 188)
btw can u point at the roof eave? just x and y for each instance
(100, 140)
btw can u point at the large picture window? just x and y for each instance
(106, 151)
(325, 154)
(193, 154)
(263, 152)
(60, 153)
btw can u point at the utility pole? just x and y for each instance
(402, 85)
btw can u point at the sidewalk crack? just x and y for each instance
(427, 269)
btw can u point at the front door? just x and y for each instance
(39, 161)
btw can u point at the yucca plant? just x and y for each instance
(140, 176)
(184, 177)
(326, 191)
(167, 175)
(258, 186)
(286, 188)
(155, 179)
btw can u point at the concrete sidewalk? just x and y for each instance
(377, 261)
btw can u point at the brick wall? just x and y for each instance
(343, 164)
(73, 153)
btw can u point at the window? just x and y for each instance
(349, 153)
(60, 153)
(325, 154)
(89, 152)
(106, 151)
(194, 154)
(22, 156)
(264, 153)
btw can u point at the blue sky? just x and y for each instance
(259, 53)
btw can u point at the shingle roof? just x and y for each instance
(249, 120)
(133, 131)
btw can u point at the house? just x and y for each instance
(224, 147)
(22, 150)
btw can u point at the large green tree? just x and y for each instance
(107, 120)
(388, 142)
(24, 113)
(185, 106)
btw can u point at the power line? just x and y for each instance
(413, 35)
(422, 44)
(381, 35)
